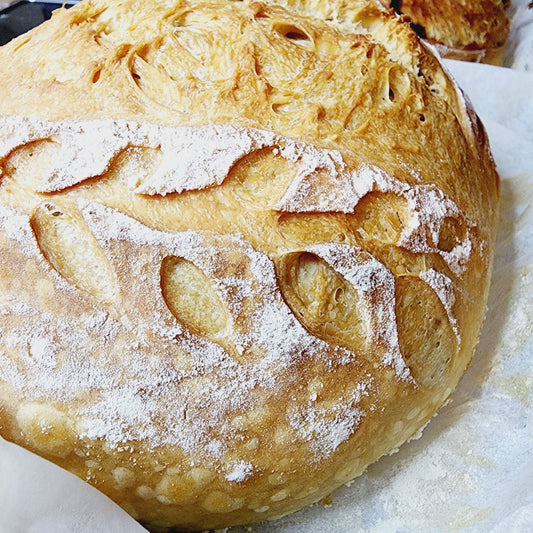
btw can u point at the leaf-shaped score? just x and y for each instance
(72, 250)
(261, 178)
(426, 337)
(381, 217)
(192, 299)
(326, 304)
(452, 233)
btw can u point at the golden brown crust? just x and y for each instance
(465, 30)
(245, 252)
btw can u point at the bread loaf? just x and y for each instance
(245, 252)
(472, 30)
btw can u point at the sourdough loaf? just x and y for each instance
(470, 30)
(244, 252)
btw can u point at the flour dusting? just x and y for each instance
(152, 378)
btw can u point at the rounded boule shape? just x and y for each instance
(244, 252)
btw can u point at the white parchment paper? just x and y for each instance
(38, 497)
(471, 470)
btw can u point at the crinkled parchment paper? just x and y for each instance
(471, 470)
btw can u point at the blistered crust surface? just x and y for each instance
(225, 291)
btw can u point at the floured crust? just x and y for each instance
(244, 252)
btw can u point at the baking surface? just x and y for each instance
(471, 468)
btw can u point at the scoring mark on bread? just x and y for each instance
(312, 228)
(428, 348)
(324, 301)
(261, 178)
(381, 216)
(30, 162)
(191, 298)
(72, 250)
(355, 278)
